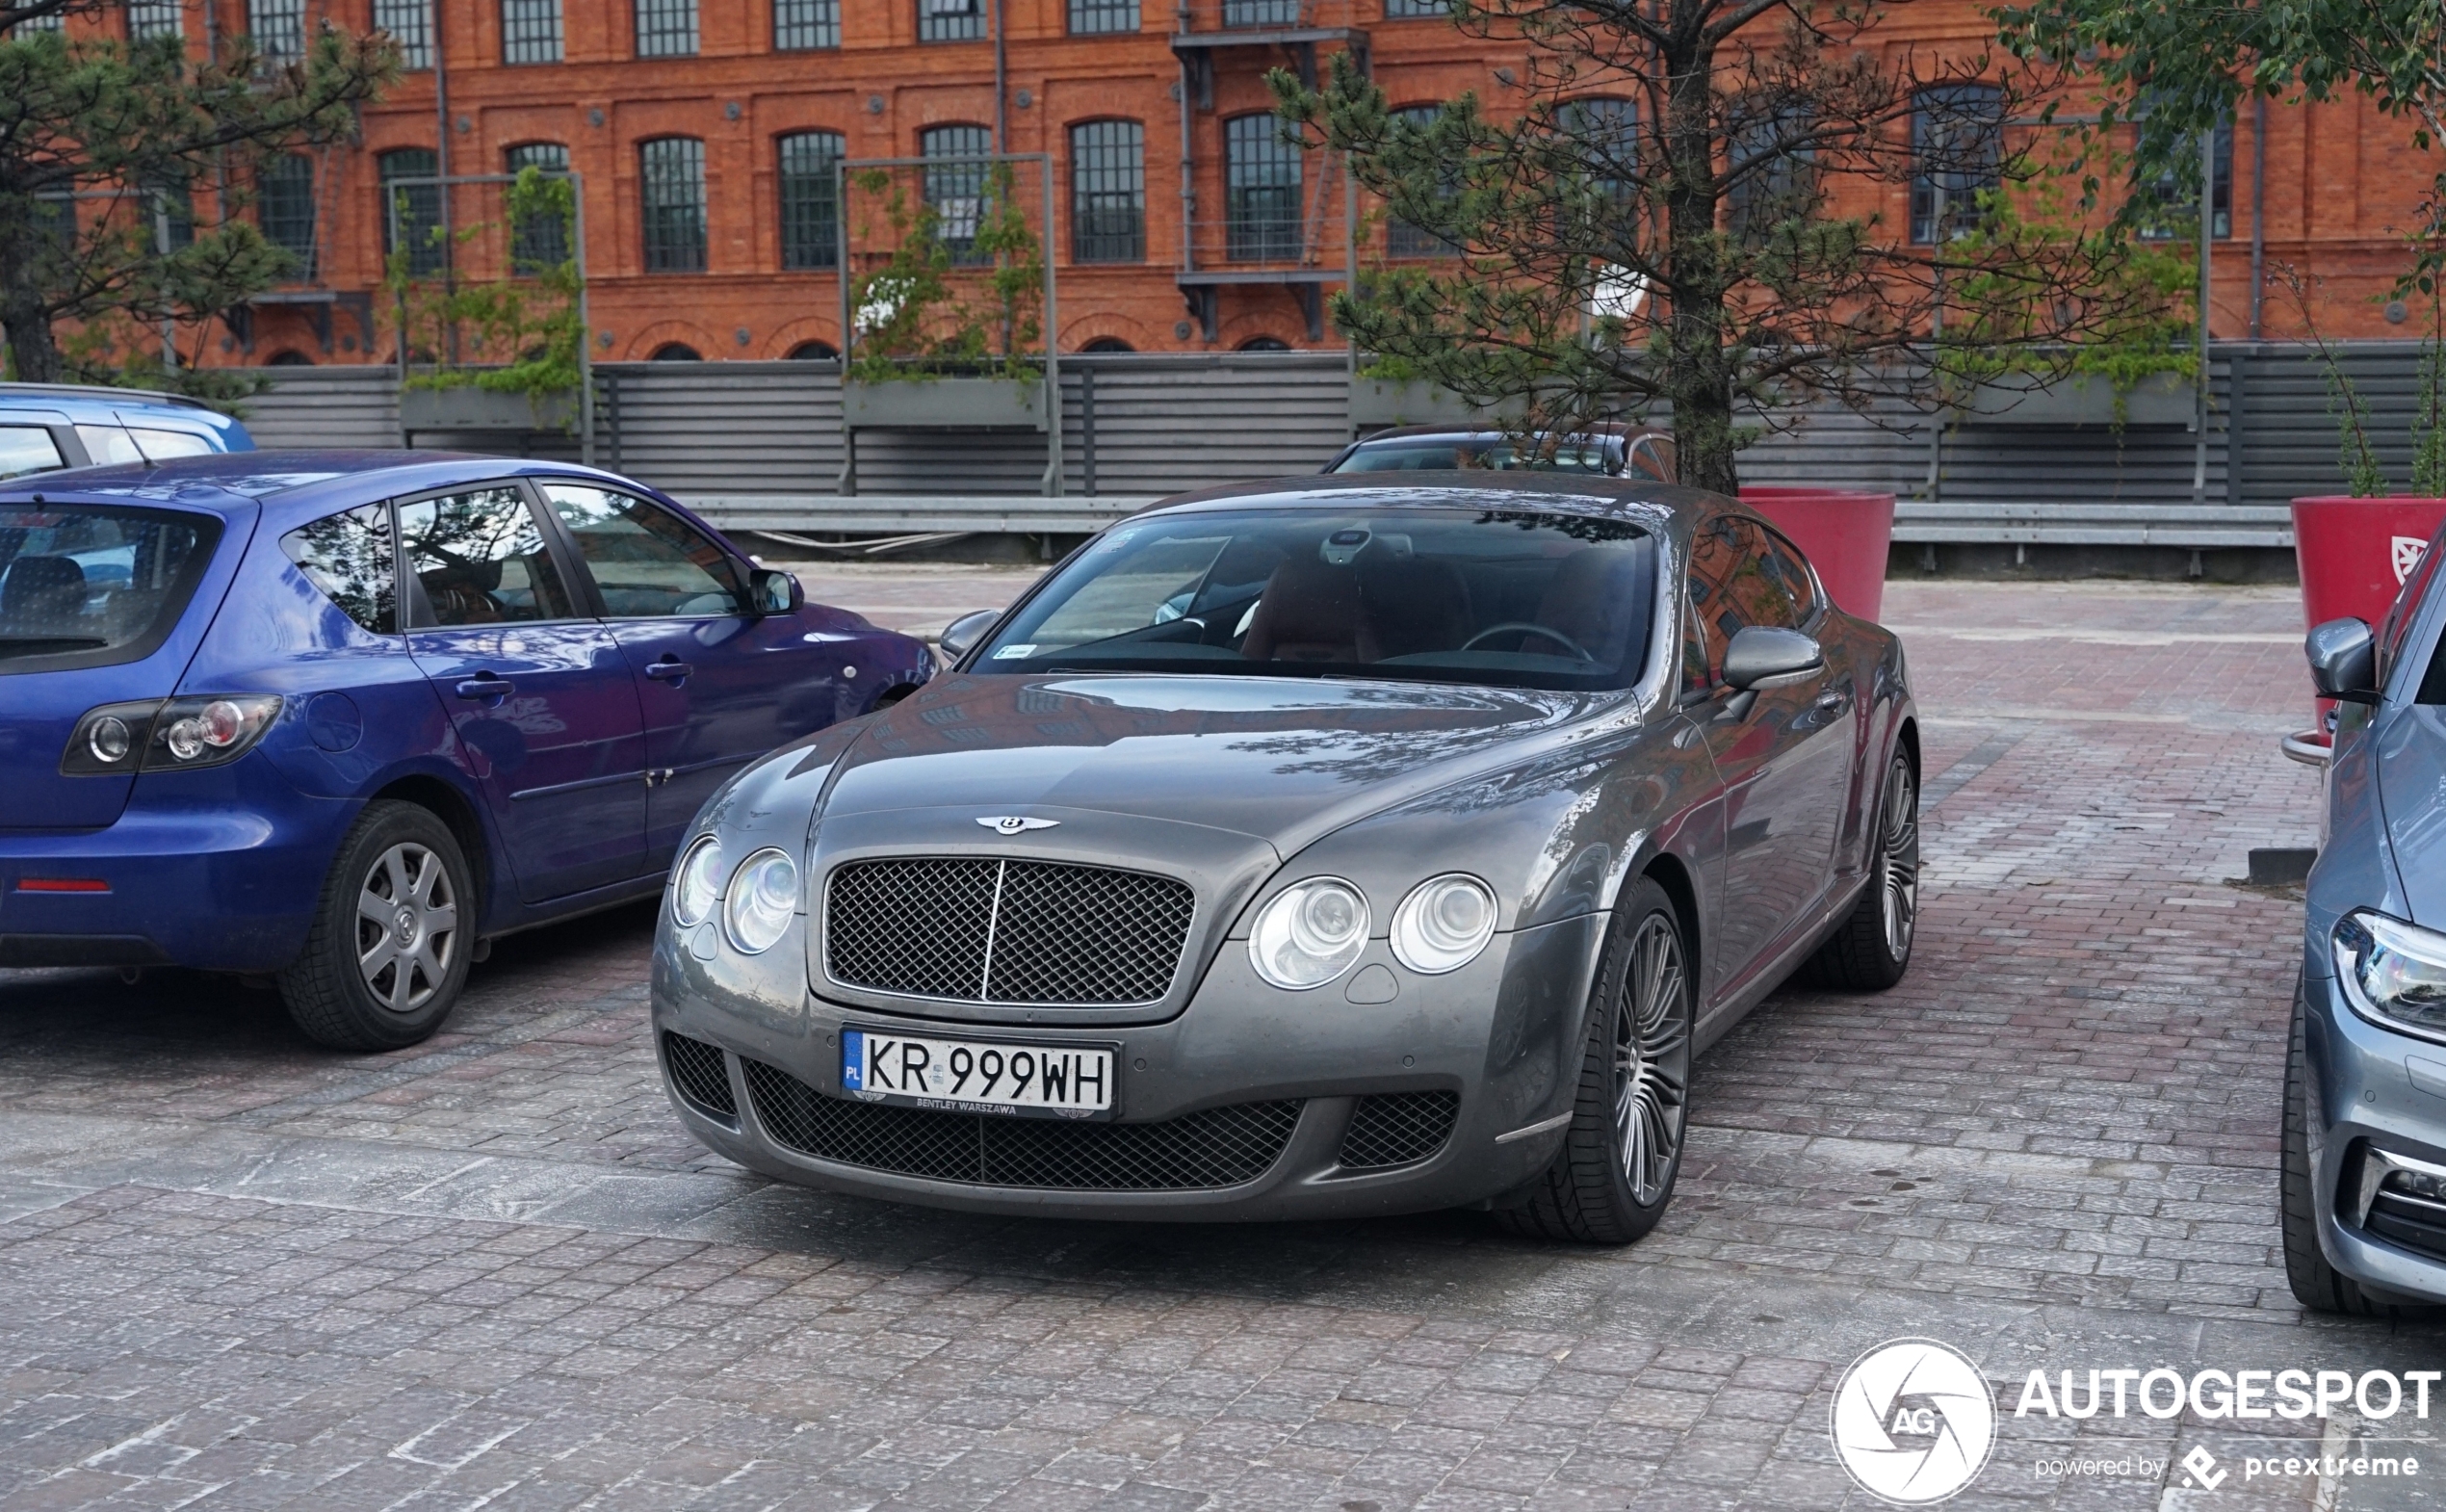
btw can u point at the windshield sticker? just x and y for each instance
(1016, 653)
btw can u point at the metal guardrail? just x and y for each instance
(910, 514)
(2197, 527)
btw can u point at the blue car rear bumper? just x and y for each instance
(2364, 1097)
(216, 870)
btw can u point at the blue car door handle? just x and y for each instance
(671, 670)
(487, 688)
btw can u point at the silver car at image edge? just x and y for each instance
(2364, 1139)
(1326, 847)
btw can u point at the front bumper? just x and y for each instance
(2370, 1093)
(217, 869)
(1502, 1035)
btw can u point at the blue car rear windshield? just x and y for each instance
(87, 585)
(1500, 598)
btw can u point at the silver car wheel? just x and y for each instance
(1652, 1061)
(1898, 858)
(407, 926)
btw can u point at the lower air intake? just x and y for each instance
(1398, 1128)
(1220, 1147)
(697, 1072)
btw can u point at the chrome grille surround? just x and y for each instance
(1009, 932)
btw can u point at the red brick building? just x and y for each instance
(702, 130)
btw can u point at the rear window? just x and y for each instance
(1550, 455)
(87, 585)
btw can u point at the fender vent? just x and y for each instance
(1398, 1128)
(697, 1074)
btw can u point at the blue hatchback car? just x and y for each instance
(44, 427)
(344, 718)
(2364, 1173)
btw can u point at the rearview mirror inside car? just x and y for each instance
(2342, 661)
(965, 632)
(774, 592)
(1763, 656)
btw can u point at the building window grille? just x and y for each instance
(955, 191)
(1416, 9)
(541, 239)
(800, 25)
(170, 207)
(1261, 191)
(412, 213)
(147, 19)
(1605, 138)
(2173, 211)
(1108, 191)
(278, 29)
(1096, 18)
(530, 31)
(50, 21)
(950, 21)
(1773, 170)
(411, 23)
(1957, 141)
(666, 28)
(671, 184)
(810, 214)
(284, 207)
(1401, 238)
(1239, 13)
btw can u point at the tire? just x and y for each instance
(2316, 1284)
(1610, 1181)
(353, 987)
(1870, 950)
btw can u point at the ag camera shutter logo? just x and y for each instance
(1914, 1422)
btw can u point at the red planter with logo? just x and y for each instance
(1844, 535)
(2354, 555)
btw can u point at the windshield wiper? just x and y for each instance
(38, 646)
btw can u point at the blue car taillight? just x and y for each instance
(166, 734)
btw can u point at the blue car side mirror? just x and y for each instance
(770, 592)
(2342, 661)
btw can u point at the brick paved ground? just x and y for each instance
(236, 1272)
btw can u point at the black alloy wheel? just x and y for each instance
(1870, 950)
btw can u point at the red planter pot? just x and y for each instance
(2354, 555)
(1845, 535)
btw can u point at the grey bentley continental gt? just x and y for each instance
(1335, 847)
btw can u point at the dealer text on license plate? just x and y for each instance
(1040, 1080)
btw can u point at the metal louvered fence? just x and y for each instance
(758, 445)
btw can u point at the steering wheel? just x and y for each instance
(1539, 631)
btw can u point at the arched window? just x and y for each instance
(1401, 238)
(1261, 191)
(412, 212)
(1108, 191)
(285, 206)
(671, 189)
(955, 189)
(1265, 344)
(676, 352)
(815, 352)
(1108, 344)
(1771, 167)
(1601, 135)
(288, 357)
(810, 214)
(538, 241)
(1957, 137)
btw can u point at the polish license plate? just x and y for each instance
(978, 1076)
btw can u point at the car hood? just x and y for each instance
(1283, 759)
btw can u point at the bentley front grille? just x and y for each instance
(1219, 1147)
(1005, 931)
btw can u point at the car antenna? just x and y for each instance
(129, 432)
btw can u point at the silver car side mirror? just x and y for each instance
(2342, 661)
(1765, 656)
(963, 633)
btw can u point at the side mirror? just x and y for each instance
(2342, 661)
(1763, 655)
(963, 633)
(770, 592)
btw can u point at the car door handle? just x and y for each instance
(484, 686)
(673, 671)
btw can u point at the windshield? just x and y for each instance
(84, 586)
(1496, 597)
(1478, 454)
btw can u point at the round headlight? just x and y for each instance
(696, 885)
(1310, 934)
(1443, 924)
(764, 895)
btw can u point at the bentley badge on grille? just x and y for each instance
(1014, 824)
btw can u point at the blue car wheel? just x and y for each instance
(393, 933)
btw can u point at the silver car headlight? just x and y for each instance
(1310, 933)
(2394, 973)
(1443, 924)
(764, 897)
(696, 883)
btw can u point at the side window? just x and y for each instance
(112, 444)
(480, 559)
(1643, 462)
(347, 558)
(647, 561)
(28, 449)
(1718, 560)
(1785, 566)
